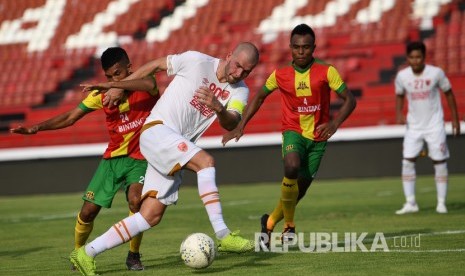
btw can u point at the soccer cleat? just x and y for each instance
(85, 264)
(441, 208)
(263, 222)
(133, 261)
(288, 235)
(235, 243)
(408, 208)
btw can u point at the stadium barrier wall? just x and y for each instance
(351, 153)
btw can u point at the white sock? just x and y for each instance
(408, 180)
(211, 200)
(118, 234)
(440, 175)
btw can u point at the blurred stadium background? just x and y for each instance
(49, 47)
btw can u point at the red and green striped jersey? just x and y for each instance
(123, 121)
(305, 96)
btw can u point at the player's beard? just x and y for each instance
(229, 77)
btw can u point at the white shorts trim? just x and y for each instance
(166, 187)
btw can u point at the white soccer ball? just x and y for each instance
(198, 250)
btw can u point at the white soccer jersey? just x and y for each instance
(423, 95)
(179, 109)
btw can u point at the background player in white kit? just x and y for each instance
(422, 83)
(203, 88)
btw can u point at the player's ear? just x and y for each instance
(129, 67)
(228, 56)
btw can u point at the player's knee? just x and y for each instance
(408, 164)
(87, 215)
(291, 167)
(201, 161)
(152, 210)
(291, 171)
(154, 219)
(209, 161)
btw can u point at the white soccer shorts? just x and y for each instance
(435, 140)
(166, 152)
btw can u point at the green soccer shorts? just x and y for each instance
(111, 175)
(310, 152)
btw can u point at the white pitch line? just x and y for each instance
(39, 217)
(385, 193)
(427, 251)
(448, 232)
(390, 251)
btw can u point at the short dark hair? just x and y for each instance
(113, 55)
(416, 45)
(303, 29)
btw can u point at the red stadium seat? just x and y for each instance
(367, 55)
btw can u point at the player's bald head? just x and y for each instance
(249, 49)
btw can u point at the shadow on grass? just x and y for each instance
(451, 207)
(252, 259)
(456, 206)
(22, 252)
(173, 261)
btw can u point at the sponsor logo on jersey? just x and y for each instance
(220, 94)
(204, 110)
(309, 109)
(182, 147)
(420, 95)
(123, 128)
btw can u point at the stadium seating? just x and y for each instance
(363, 39)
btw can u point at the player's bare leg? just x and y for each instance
(85, 223)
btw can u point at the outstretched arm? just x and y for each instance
(60, 121)
(114, 95)
(348, 105)
(149, 68)
(144, 84)
(454, 113)
(249, 112)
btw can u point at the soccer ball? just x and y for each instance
(198, 250)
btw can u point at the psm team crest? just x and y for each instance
(182, 147)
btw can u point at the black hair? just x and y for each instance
(303, 29)
(114, 55)
(416, 45)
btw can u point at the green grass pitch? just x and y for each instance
(37, 231)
